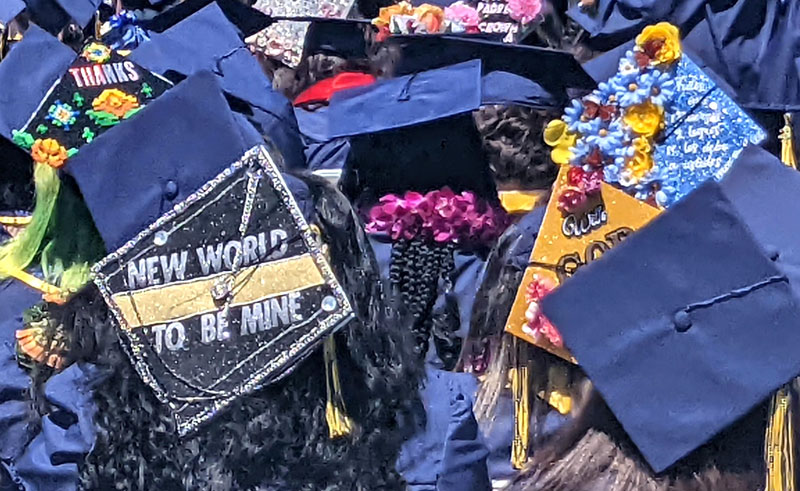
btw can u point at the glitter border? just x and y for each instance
(277, 365)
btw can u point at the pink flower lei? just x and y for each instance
(441, 216)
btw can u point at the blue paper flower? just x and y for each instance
(609, 139)
(572, 114)
(580, 151)
(635, 92)
(662, 87)
(611, 172)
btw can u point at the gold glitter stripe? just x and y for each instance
(172, 302)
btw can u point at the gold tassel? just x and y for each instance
(338, 423)
(779, 445)
(15, 221)
(786, 136)
(520, 384)
(557, 394)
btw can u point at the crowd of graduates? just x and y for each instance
(453, 246)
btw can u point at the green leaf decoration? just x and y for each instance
(41, 129)
(88, 135)
(71, 152)
(23, 139)
(147, 90)
(102, 118)
(78, 99)
(132, 112)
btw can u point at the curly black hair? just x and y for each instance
(276, 437)
(513, 140)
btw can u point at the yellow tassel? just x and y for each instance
(338, 423)
(786, 136)
(46, 288)
(779, 445)
(520, 373)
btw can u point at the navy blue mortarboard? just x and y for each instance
(530, 75)
(413, 132)
(53, 15)
(191, 123)
(246, 19)
(208, 41)
(25, 78)
(691, 322)
(9, 9)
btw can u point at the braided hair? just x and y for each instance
(417, 269)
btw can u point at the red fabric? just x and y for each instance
(324, 89)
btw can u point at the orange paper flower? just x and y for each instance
(645, 119)
(49, 152)
(663, 40)
(115, 101)
(430, 15)
(385, 14)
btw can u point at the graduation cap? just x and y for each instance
(285, 40)
(526, 75)
(345, 38)
(247, 20)
(208, 41)
(9, 10)
(21, 95)
(691, 322)
(659, 126)
(570, 238)
(53, 15)
(215, 277)
(99, 90)
(401, 127)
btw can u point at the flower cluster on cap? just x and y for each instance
(403, 18)
(613, 130)
(440, 216)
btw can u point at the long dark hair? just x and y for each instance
(277, 437)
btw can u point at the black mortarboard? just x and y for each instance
(9, 9)
(413, 132)
(217, 281)
(246, 19)
(53, 15)
(99, 90)
(690, 322)
(208, 41)
(21, 95)
(345, 38)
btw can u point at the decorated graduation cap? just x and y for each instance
(99, 90)
(53, 15)
(671, 346)
(206, 40)
(285, 41)
(215, 277)
(659, 127)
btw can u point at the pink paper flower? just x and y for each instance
(464, 16)
(537, 325)
(524, 11)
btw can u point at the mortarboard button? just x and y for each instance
(171, 190)
(772, 252)
(682, 321)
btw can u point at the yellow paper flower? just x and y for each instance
(115, 101)
(430, 15)
(97, 53)
(557, 136)
(642, 161)
(385, 14)
(661, 41)
(49, 152)
(645, 119)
